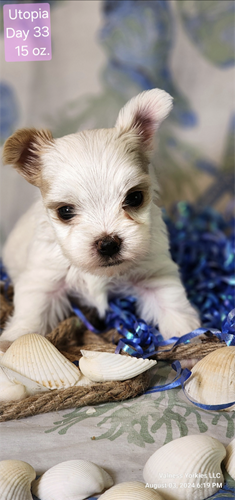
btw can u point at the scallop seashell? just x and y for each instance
(10, 391)
(106, 366)
(130, 491)
(186, 468)
(25, 385)
(15, 480)
(75, 480)
(33, 356)
(212, 381)
(229, 461)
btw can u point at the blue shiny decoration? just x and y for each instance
(174, 383)
(182, 375)
(139, 339)
(202, 244)
(145, 339)
(185, 375)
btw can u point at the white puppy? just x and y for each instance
(96, 230)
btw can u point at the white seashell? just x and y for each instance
(213, 381)
(33, 356)
(191, 463)
(74, 480)
(10, 391)
(106, 366)
(30, 386)
(229, 461)
(15, 480)
(131, 491)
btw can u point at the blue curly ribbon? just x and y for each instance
(140, 339)
(182, 375)
(202, 244)
(171, 385)
(185, 375)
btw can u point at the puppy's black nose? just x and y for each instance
(108, 245)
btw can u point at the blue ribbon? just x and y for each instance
(202, 244)
(83, 318)
(170, 385)
(140, 339)
(185, 375)
(182, 375)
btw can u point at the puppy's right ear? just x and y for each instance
(143, 114)
(23, 151)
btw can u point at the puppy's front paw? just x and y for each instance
(169, 308)
(175, 324)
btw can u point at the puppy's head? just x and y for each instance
(96, 185)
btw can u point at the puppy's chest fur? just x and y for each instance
(89, 288)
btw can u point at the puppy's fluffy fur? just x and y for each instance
(113, 241)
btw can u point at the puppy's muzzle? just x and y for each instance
(108, 246)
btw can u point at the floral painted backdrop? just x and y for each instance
(105, 52)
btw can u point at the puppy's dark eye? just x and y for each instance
(134, 199)
(66, 213)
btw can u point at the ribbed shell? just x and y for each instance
(130, 491)
(71, 480)
(36, 358)
(15, 480)
(179, 461)
(105, 366)
(229, 461)
(213, 378)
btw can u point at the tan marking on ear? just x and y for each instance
(23, 150)
(143, 115)
(45, 186)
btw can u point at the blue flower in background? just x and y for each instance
(9, 110)
(210, 26)
(139, 37)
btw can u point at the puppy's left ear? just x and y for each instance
(143, 114)
(23, 151)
